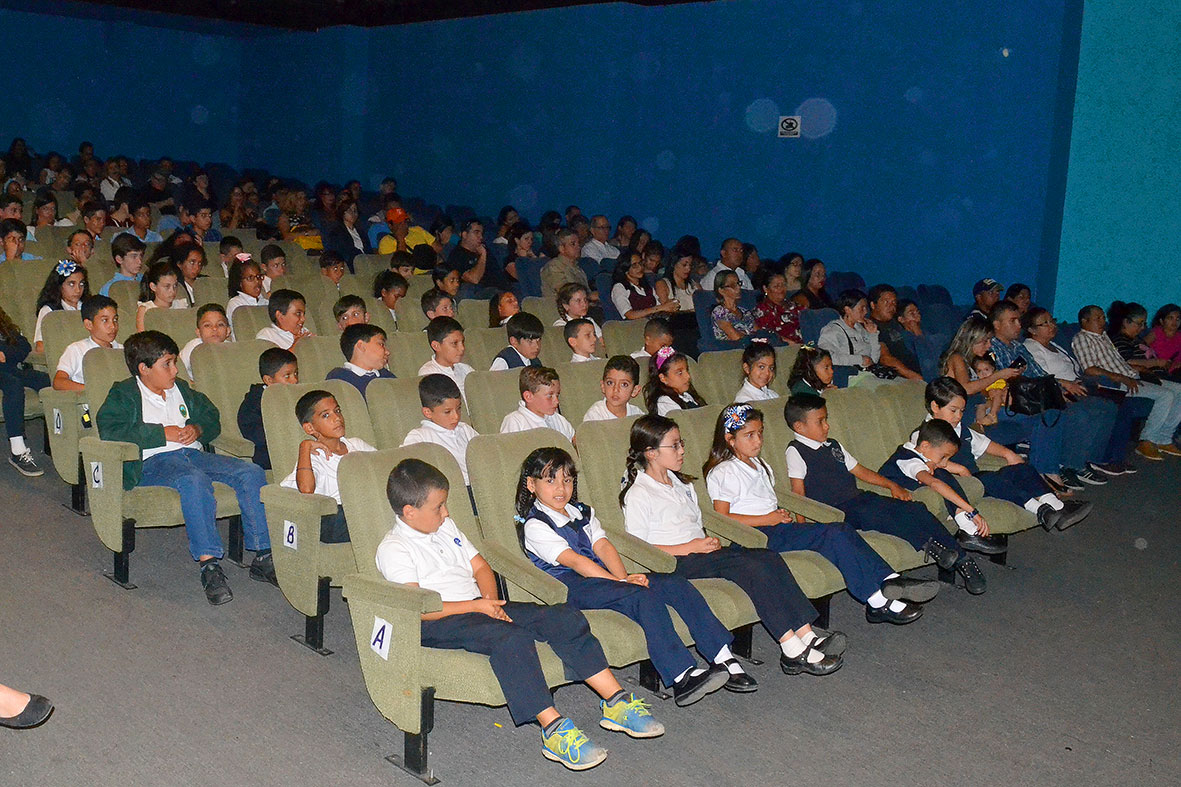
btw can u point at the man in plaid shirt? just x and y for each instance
(1098, 355)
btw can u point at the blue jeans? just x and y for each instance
(1045, 442)
(192, 473)
(1087, 426)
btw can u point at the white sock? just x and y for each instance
(1033, 504)
(793, 646)
(965, 523)
(877, 600)
(724, 655)
(681, 677)
(897, 606)
(17, 445)
(1052, 501)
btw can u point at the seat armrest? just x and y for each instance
(727, 529)
(518, 571)
(812, 510)
(233, 445)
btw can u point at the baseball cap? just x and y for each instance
(398, 215)
(984, 285)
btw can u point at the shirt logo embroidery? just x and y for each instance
(837, 453)
(458, 543)
(184, 411)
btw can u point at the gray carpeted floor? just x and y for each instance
(1065, 672)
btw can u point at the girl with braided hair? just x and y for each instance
(660, 507)
(563, 537)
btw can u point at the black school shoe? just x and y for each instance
(799, 664)
(919, 591)
(262, 569)
(692, 688)
(1071, 513)
(974, 581)
(830, 643)
(985, 545)
(884, 614)
(213, 579)
(738, 682)
(944, 557)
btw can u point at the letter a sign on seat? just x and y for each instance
(380, 639)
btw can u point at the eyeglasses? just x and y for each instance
(252, 277)
(1042, 324)
(679, 445)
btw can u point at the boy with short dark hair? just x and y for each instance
(228, 250)
(620, 384)
(364, 346)
(538, 408)
(333, 267)
(318, 464)
(213, 327)
(128, 253)
(389, 287)
(820, 468)
(658, 333)
(273, 262)
(288, 312)
(276, 366)
(426, 549)
(170, 422)
(13, 235)
(445, 335)
(580, 337)
(436, 303)
(402, 263)
(349, 310)
(442, 409)
(100, 318)
(524, 338)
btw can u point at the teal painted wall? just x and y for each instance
(1121, 230)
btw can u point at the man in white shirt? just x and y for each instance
(597, 248)
(730, 259)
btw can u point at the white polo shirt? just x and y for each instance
(980, 443)
(186, 354)
(325, 468)
(541, 540)
(500, 365)
(661, 514)
(167, 410)
(71, 358)
(523, 419)
(576, 358)
(665, 404)
(458, 372)
(454, 440)
(797, 468)
(748, 490)
(599, 412)
(440, 561)
(561, 323)
(748, 393)
(279, 337)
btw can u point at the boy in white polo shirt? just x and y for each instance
(426, 549)
(288, 311)
(318, 463)
(538, 408)
(619, 387)
(100, 317)
(580, 338)
(442, 406)
(445, 335)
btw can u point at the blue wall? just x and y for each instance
(926, 154)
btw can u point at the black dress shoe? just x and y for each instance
(36, 712)
(884, 614)
(830, 643)
(985, 545)
(944, 557)
(919, 591)
(692, 688)
(738, 682)
(799, 664)
(1073, 512)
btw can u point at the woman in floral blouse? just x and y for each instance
(730, 321)
(776, 314)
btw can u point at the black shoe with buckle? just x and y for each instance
(919, 591)
(692, 688)
(799, 664)
(738, 682)
(883, 614)
(213, 579)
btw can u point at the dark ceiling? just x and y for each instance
(316, 14)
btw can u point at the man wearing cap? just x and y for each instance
(986, 292)
(405, 236)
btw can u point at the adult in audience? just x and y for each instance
(563, 268)
(852, 339)
(986, 293)
(642, 242)
(883, 311)
(165, 165)
(404, 236)
(792, 267)
(293, 223)
(923, 346)
(597, 248)
(236, 213)
(443, 230)
(750, 261)
(1126, 323)
(324, 209)
(18, 160)
(730, 259)
(1020, 296)
(158, 191)
(54, 162)
(520, 247)
(775, 313)
(572, 212)
(1085, 426)
(548, 225)
(20, 711)
(729, 320)
(112, 181)
(581, 227)
(632, 295)
(505, 220)
(344, 237)
(470, 260)
(625, 230)
(1164, 338)
(812, 294)
(1097, 355)
(677, 283)
(198, 186)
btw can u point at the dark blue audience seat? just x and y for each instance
(529, 276)
(931, 294)
(812, 320)
(703, 304)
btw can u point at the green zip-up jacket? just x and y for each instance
(121, 418)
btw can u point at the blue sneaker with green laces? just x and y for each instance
(565, 743)
(625, 712)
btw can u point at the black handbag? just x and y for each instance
(1035, 396)
(878, 370)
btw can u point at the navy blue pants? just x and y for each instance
(13, 382)
(1131, 410)
(763, 576)
(863, 569)
(334, 528)
(1016, 483)
(910, 521)
(512, 650)
(649, 607)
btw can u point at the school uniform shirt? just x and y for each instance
(151, 236)
(522, 419)
(908, 461)
(798, 468)
(454, 440)
(325, 468)
(458, 372)
(629, 297)
(667, 404)
(665, 515)
(106, 288)
(973, 445)
(279, 337)
(46, 310)
(576, 358)
(544, 542)
(440, 561)
(561, 323)
(166, 410)
(510, 358)
(641, 354)
(599, 412)
(186, 354)
(748, 393)
(71, 358)
(242, 299)
(748, 490)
